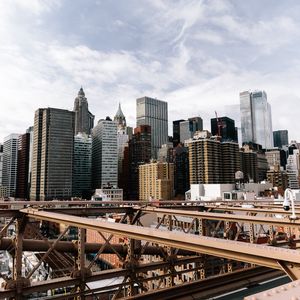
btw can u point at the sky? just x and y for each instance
(196, 55)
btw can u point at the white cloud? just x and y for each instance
(197, 55)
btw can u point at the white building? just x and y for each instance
(10, 163)
(292, 169)
(108, 194)
(104, 154)
(210, 192)
(122, 136)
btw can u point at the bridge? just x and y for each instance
(166, 251)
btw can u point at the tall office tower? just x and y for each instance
(156, 181)
(139, 154)
(84, 119)
(30, 132)
(1, 163)
(188, 128)
(176, 132)
(122, 139)
(10, 163)
(154, 113)
(233, 112)
(225, 127)
(278, 178)
(281, 138)
(104, 154)
(52, 155)
(22, 189)
(82, 166)
(204, 159)
(181, 170)
(256, 120)
(230, 161)
(165, 153)
(293, 169)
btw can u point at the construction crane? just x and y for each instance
(219, 124)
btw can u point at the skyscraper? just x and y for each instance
(188, 128)
(122, 138)
(153, 112)
(139, 154)
(228, 131)
(104, 154)
(181, 170)
(176, 132)
(82, 166)
(84, 119)
(204, 159)
(281, 138)
(256, 119)
(52, 156)
(22, 190)
(10, 163)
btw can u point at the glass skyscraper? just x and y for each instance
(153, 112)
(256, 119)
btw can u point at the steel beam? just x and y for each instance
(256, 254)
(71, 247)
(106, 274)
(225, 217)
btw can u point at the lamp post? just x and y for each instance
(289, 197)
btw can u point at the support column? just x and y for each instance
(18, 282)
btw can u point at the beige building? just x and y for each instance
(204, 159)
(156, 180)
(278, 177)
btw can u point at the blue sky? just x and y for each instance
(197, 55)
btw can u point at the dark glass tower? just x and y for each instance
(281, 138)
(228, 131)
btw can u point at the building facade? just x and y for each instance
(181, 170)
(165, 153)
(256, 118)
(52, 155)
(84, 119)
(248, 160)
(204, 159)
(278, 178)
(1, 163)
(188, 128)
(230, 161)
(10, 163)
(154, 113)
(228, 131)
(122, 139)
(139, 154)
(104, 154)
(22, 189)
(82, 166)
(293, 169)
(176, 132)
(156, 181)
(281, 138)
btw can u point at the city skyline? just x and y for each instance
(198, 62)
